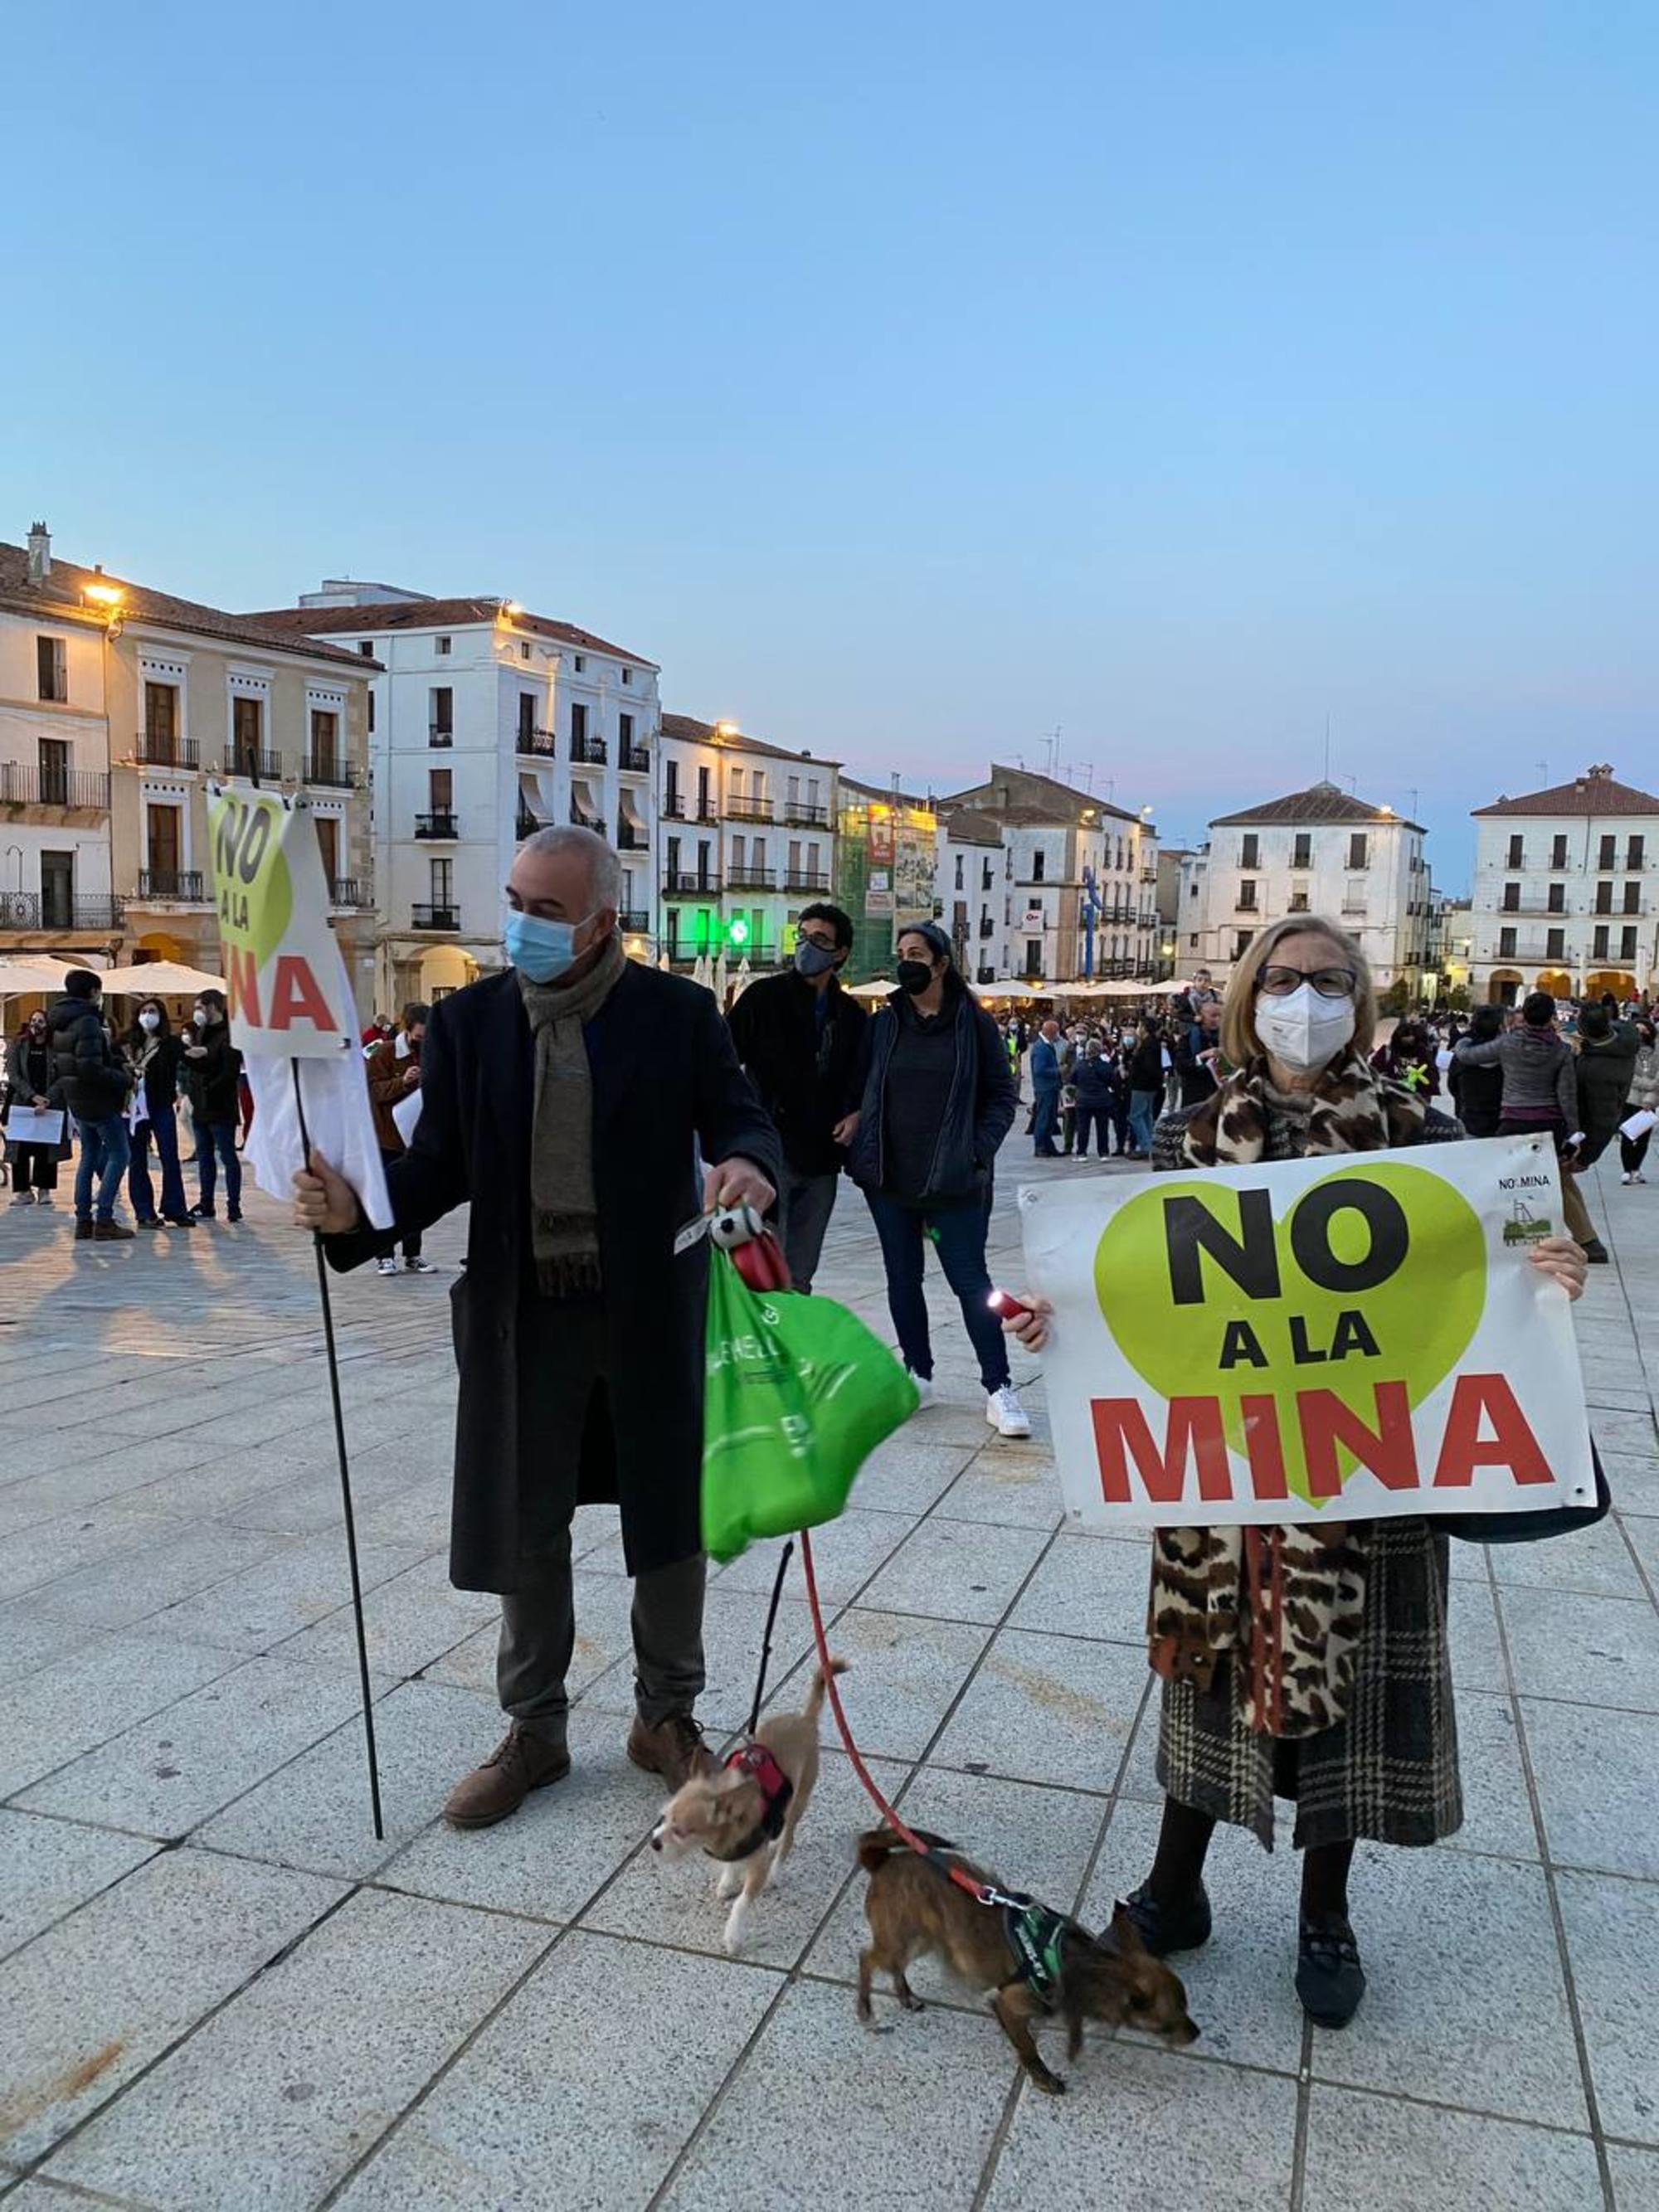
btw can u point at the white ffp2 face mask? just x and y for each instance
(1302, 1029)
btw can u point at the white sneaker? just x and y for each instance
(45, 1197)
(1627, 1178)
(1005, 1413)
(925, 1394)
(27, 1197)
(420, 1267)
(387, 1266)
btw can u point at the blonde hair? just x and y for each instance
(1239, 1042)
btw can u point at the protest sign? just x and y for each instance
(1349, 1336)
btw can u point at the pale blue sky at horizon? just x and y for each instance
(907, 382)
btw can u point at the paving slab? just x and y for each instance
(846, 1554)
(1089, 1587)
(1612, 1940)
(410, 1621)
(279, 2095)
(47, 1867)
(52, 1716)
(956, 1570)
(1043, 1708)
(303, 1582)
(509, 2128)
(1384, 2155)
(1497, 1816)
(1589, 1650)
(89, 2004)
(1595, 1785)
(902, 1676)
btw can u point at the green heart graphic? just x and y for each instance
(1420, 1325)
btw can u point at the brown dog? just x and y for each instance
(745, 1813)
(1034, 1963)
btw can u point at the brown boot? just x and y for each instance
(111, 1232)
(519, 1763)
(83, 1232)
(674, 1748)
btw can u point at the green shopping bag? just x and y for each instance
(798, 1394)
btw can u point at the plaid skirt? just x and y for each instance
(1388, 1770)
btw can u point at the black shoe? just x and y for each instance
(203, 1213)
(234, 1213)
(1597, 1253)
(1329, 1978)
(1165, 1928)
(178, 1221)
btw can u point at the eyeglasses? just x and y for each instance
(825, 943)
(1329, 982)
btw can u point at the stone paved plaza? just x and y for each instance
(218, 1991)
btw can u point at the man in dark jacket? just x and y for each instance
(1607, 1061)
(91, 1079)
(1045, 1090)
(1477, 1093)
(578, 1324)
(801, 1039)
(213, 1076)
(1195, 1053)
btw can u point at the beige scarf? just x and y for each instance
(564, 1222)
(1288, 1601)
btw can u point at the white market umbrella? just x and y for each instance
(876, 990)
(160, 979)
(702, 973)
(745, 977)
(31, 972)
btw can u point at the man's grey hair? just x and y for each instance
(604, 868)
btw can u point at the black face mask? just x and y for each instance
(915, 976)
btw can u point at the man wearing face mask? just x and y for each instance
(155, 1055)
(213, 1070)
(801, 1038)
(92, 1080)
(564, 1097)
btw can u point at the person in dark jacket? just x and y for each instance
(1606, 1062)
(1197, 1053)
(801, 1038)
(579, 1325)
(1411, 1057)
(938, 1100)
(156, 1056)
(29, 1082)
(394, 1072)
(91, 1080)
(213, 1070)
(1540, 1098)
(1477, 1093)
(1144, 1070)
(1097, 1096)
(1045, 1090)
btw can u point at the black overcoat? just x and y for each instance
(664, 1076)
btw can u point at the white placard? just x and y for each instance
(1638, 1124)
(32, 1125)
(406, 1112)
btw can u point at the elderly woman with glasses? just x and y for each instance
(1309, 1663)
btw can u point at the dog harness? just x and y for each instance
(1034, 1935)
(776, 1789)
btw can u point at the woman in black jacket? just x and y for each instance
(213, 1067)
(938, 1099)
(30, 1077)
(156, 1053)
(1477, 1093)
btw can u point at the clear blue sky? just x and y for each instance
(907, 380)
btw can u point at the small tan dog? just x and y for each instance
(1035, 1963)
(746, 1814)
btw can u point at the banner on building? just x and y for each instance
(1345, 1337)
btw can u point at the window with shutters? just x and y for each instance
(1516, 852)
(1302, 850)
(1634, 851)
(1555, 944)
(1632, 898)
(1359, 847)
(1598, 944)
(52, 668)
(1604, 898)
(1511, 898)
(1558, 853)
(1249, 850)
(1558, 899)
(1627, 944)
(1609, 848)
(1506, 945)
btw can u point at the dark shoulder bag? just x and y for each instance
(1530, 1528)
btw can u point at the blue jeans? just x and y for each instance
(1143, 1113)
(220, 1137)
(140, 1190)
(104, 1152)
(1047, 1117)
(960, 1230)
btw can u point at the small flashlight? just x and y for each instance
(1005, 1305)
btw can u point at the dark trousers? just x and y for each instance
(104, 1154)
(1633, 1151)
(806, 1203)
(959, 1232)
(1044, 1119)
(165, 1133)
(1099, 1119)
(1143, 1116)
(411, 1244)
(218, 1137)
(34, 1167)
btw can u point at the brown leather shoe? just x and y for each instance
(519, 1763)
(674, 1748)
(111, 1232)
(83, 1232)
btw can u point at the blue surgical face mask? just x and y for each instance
(543, 949)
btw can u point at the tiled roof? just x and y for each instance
(67, 583)
(437, 615)
(966, 827)
(1319, 802)
(884, 794)
(1044, 799)
(691, 732)
(1594, 792)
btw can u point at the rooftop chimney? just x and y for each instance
(39, 553)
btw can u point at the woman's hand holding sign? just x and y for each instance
(1563, 1262)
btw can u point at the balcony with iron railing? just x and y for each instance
(536, 744)
(45, 910)
(172, 886)
(806, 879)
(258, 766)
(160, 749)
(351, 895)
(74, 790)
(680, 883)
(435, 917)
(440, 825)
(634, 760)
(634, 920)
(596, 823)
(745, 809)
(329, 773)
(440, 734)
(589, 748)
(630, 839)
(801, 814)
(741, 876)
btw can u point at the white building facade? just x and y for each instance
(1318, 851)
(489, 722)
(972, 892)
(746, 838)
(1565, 897)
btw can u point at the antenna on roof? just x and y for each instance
(1543, 773)
(1328, 748)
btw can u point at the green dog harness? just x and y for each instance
(1034, 1935)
